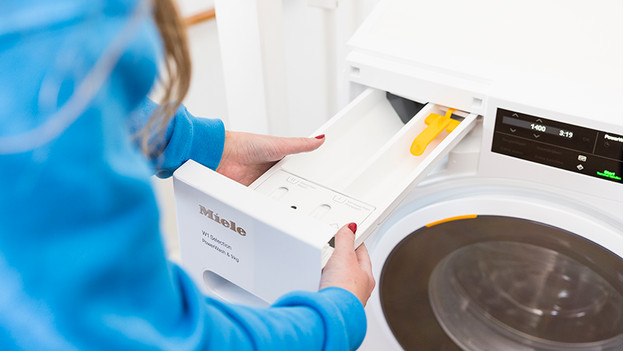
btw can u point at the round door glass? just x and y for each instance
(509, 295)
(501, 283)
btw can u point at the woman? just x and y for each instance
(82, 265)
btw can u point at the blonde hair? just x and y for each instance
(177, 75)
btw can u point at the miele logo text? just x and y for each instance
(224, 222)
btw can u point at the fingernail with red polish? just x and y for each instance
(320, 136)
(352, 226)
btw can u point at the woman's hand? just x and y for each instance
(348, 268)
(247, 156)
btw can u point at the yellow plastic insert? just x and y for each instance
(435, 125)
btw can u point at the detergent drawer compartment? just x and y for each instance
(370, 160)
(275, 235)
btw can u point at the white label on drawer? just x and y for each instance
(316, 201)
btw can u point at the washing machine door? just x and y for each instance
(496, 282)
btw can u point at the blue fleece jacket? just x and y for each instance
(82, 264)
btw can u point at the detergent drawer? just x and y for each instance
(275, 235)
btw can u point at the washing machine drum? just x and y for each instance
(500, 283)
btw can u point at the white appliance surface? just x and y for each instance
(540, 53)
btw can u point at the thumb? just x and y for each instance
(345, 238)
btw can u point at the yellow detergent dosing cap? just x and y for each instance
(435, 125)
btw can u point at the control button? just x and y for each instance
(607, 144)
(580, 167)
(292, 180)
(536, 136)
(513, 130)
(539, 120)
(582, 158)
(335, 226)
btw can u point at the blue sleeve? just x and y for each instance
(332, 319)
(186, 137)
(341, 313)
(82, 262)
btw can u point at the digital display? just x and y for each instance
(577, 149)
(538, 127)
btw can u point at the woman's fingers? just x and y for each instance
(348, 268)
(246, 156)
(344, 240)
(289, 146)
(363, 257)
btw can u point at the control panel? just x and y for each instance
(565, 146)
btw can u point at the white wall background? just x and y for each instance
(315, 48)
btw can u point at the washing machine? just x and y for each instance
(511, 243)
(482, 161)
(474, 261)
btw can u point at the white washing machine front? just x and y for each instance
(478, 263)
